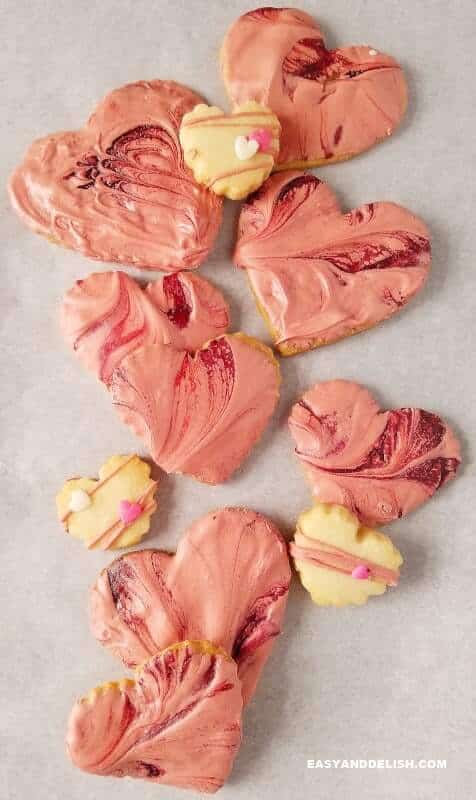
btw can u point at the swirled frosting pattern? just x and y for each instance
(108, 315)
(178, 723)
(118, 190)
(228, 582)
(379, 464)
(198, 415)
(332, 104)
(319, 274)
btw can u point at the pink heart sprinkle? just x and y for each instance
(263, 136)
(361, 572)
(129, 512)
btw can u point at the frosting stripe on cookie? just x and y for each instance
(322, 554)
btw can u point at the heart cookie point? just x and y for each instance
(79, 501)
(129, 512)
(226, 152)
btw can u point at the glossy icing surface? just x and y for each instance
(379, 464)
(209, 140)
(332, 104)
(178, 723)
(319, 274)
(108, 315)
(198, 415)
(228, 582)
(118, 190)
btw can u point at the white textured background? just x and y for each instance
(392, 680)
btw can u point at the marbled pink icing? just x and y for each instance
(118, 190)
(228, 583)
(108, 315)
(179, 724)
(198, 415)
(332, 104)
(320, 274)
(380, 464)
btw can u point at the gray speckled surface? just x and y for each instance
(392, 680)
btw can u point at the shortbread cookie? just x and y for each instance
(198, 415)
(332, 104)
(118, 190)
(111, 512)
(178, 723)
(319, 274)
(228, 582)
(108, 315)
(379, 464)
(339, 561)
(230, 154)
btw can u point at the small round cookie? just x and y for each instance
(339, 561)
(332, 104)
(111, 512)
(230, 154)
(177, 724)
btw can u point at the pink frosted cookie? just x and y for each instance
(319, 274)
(108, 315)
(332, 104)
(118, 190)
(178, 723)
(198, 415)
(228, 583)
(379, 464)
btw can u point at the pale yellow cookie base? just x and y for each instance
(338, 527)
(130, 483)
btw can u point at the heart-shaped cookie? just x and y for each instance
(319, 274)
(332, 104)
(178, 723)
(379, 464)
(339, 561)
(111, 512)
(231, 155)
(108, 315)
(118, 189)
(228, 582)
(198, 415)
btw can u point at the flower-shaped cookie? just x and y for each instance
(339, 561)
(111, 512)
(231, 155)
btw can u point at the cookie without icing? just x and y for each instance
(339, 561)
(108, 315)
(114, 511)
(332, 104)
(319, 274)
(221, 150)
(228, 582)
(118, 189)
(178, 723)
(379, 464)
(198, 415)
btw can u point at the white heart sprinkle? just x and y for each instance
(79, 500)
(373, 52)
(245, 148)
